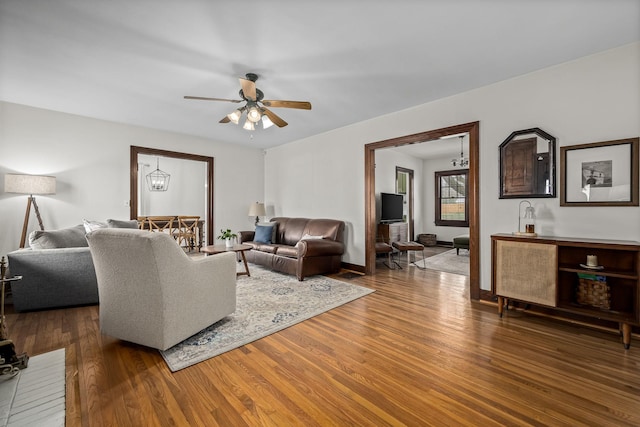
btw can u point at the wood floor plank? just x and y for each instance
(416, 352)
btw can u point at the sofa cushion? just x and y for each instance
(263, 233)
(262, 247)
(311, 237)
(116, 223)
(90, 226)
(72, 237)
(288, 251)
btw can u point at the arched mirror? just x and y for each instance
(528, 165)
(190, 188)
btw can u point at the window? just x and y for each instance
(452, 207)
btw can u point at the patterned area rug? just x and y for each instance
(449, 262)
(267, 302)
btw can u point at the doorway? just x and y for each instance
(474, 230)
(404, 186)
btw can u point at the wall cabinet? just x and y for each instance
(393, 232)
(551, 271)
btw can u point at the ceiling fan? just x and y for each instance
(255, 106)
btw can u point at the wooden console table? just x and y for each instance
(551, 271)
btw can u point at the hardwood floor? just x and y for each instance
(416, 352)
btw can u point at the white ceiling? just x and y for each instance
(132, 61)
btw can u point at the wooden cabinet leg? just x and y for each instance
(500, 305)
(626, 335)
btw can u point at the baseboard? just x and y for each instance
(353, 267)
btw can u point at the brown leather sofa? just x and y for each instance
(290, 253)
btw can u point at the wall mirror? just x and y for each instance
(528, 165)
(190, 188)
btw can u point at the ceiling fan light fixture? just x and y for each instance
(254, 114)
(248, 125)
(235, 116)
(266, 122)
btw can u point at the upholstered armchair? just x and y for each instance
(152, 293)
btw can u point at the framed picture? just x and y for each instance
(600, 174)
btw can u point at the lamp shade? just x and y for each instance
(29, 184)
(257, 209)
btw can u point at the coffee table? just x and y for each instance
(241, 249)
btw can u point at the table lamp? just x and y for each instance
(29, 184)
(257, 210)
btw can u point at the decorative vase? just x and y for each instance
(228, 243)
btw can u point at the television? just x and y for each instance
(391, 207)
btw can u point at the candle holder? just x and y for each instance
(526, 221)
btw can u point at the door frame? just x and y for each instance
(473, 129)
(410, 219)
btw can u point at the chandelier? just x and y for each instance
(462, 161)
(158, 180)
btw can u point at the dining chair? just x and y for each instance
(186, 233)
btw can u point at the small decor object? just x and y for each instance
(227, 235)
(257, 210)
(158, 180)
(427, 239)
(29, 184)
(593, 290)
(592, 263)
(527, 165)
(526, 220)
(600, 173)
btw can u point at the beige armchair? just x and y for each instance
(152, 293)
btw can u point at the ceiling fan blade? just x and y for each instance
(225, 119)
(274, 118)
(212, 99)
(302, 105)
(249, 89)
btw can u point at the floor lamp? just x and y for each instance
(29, 184)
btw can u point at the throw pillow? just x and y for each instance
(116, 223)
(274, 229)
(89, 226)
(263, 233)
(72, 237)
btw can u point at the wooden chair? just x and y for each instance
(186, 233)
(142, 222)
(162, 224)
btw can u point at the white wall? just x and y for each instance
(90, 159)
(595, 98)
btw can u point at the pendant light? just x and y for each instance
(158, 180)
(462, 161)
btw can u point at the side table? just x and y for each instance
(241, 248)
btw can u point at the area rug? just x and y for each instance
(449, 262)
(267, 302)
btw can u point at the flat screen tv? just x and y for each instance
(391, 206)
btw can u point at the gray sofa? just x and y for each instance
(57, 269)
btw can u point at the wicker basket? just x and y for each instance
(427, 239)
(595, 293)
